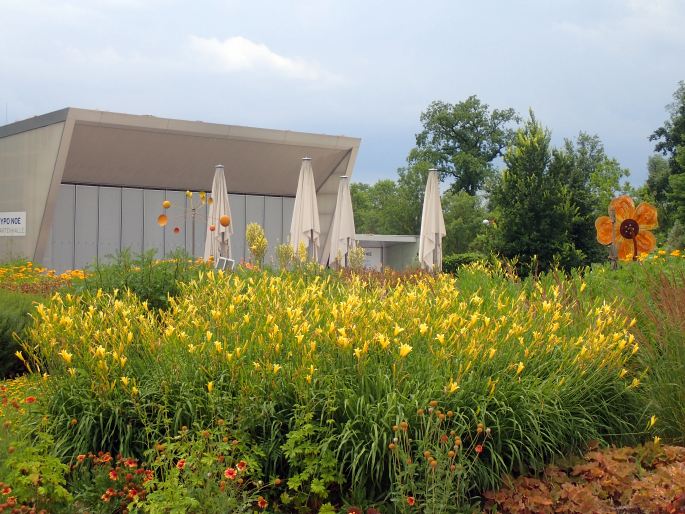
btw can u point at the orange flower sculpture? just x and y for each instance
(631, 230)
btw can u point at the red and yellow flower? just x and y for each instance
(631, 230)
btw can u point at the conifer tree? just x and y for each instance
(533, 203)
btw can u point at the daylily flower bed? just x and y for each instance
(319, 392)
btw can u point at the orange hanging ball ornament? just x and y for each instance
(162, 220)
(212, 228)
(166, 204)
(225, 220)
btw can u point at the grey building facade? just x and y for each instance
(92, 183)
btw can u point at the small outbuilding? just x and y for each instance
(389, 251)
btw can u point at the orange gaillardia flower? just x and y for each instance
(631, 231)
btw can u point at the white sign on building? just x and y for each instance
(13, 223)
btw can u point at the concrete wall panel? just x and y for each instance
(109, 223)
(273, 225)
(93, 222)
(86, 226)
(63, 230)
(153, 234)
(238, 239)
(254, 210)
(47, 255)
(132, 220)
(172, 240)
(254, 213)
(288, 207)
(27, 162)
(200, 231)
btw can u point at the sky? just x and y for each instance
(361, 68)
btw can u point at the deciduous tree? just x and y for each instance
(462, 140)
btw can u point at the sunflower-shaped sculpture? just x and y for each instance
(630, 229)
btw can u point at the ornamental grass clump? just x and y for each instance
(542, 364)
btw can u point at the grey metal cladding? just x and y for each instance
(238, 212)
(288, 208)
(33, 123)
(153, 234)
(131, 220)
(177, 220)
(63, 229)
(273, 225)
(109, 223)
(86, 226)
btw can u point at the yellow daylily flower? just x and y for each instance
(405, 349)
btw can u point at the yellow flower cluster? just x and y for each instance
(662, 255)
(301, 328)
(29, 277)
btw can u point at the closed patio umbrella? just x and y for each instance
(432, 226)
(305, 227)
(342, 236)
(218, 240)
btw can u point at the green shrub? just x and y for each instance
(203, 468)
(15, 308)
(452, 263)
(35, 477)
(151, 279)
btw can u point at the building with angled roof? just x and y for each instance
(78, 185)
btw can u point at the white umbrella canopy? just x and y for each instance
(432, 226)
(342, 229)
(218, 241)
(305, 227)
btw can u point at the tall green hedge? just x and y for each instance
(451, 263)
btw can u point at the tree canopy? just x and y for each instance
(670, 138)
(462, 140)
(670, 141)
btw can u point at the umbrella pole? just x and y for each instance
(435, 254)
(311, 244)
(347, 252)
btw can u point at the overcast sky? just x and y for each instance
(361, 68)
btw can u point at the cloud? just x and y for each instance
(237, 54)
(638, 22)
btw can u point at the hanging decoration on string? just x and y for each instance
(192, 205)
